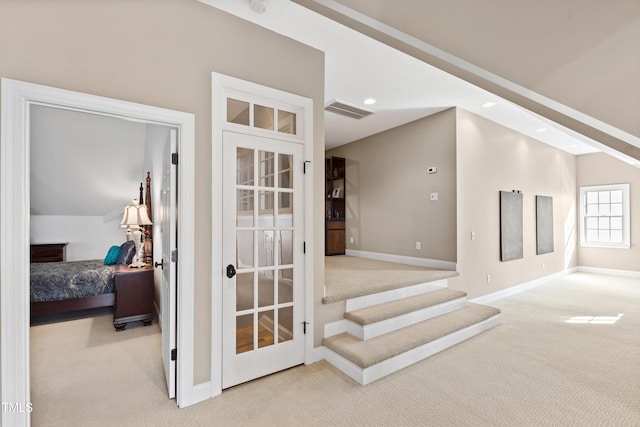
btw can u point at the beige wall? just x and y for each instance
(162, 53)
(601, 169)
(388, 189)
(492, 158)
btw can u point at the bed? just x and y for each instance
(60, 287)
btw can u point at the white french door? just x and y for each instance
(263, 278)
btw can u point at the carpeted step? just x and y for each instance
(380, 312)
(367, 354)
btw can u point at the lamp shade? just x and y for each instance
(135, 215)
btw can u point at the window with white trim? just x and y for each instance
(604, 216)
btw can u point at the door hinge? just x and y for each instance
(174, 354)
(304, 327)
(174, 158)
(174, 255)
(304, 166)
(304, 247)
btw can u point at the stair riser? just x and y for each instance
(383, 327)
(394, 364)
(394, 295)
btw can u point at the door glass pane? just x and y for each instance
(265, 329)
(265, 288)
(266, 168)
(237, 112)
(285, 209)
(244, 217)
(285, 324)
(244, 244)
(286, 247)
(244, 333)
(244, 291)
(284, 171)
(244, 173)
(265, 215)
(265, 248)
(263, 117)
(285, 286)
(286, 122)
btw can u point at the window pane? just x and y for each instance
(263, 117)
(244, 174)
(605, 209)
(266, 168)
(592, 235)
(286, 122)
(237, 112)
(616, 196)
(603, 223)
(616, 209)
(603, 196)
(285, 324)
(244, 333)
(616, 236)
(616, 223)
(244, 244)
(592, 197)
(592, 210)
(603, 236)
(244, 291)
(592, 223)
(265, 329)
(265, 288)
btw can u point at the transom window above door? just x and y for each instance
(265, 117)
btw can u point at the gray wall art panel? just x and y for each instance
(511, 243)
(544, 224)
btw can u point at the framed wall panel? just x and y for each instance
(544, 224)
(511, 235)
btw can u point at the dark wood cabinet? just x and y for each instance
(48, 252)
(134, 296)
(335, 206)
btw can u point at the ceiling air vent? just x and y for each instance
(341, 107)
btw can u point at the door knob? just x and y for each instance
(231, 271)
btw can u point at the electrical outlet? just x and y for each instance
(488, 278)
(473, 235)
(434, 196)
(351, 239)
(418, 245)
(543, 266)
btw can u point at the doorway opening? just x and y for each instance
(17, 100)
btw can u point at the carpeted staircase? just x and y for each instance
(384, 332)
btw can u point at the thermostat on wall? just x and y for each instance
(432, 169)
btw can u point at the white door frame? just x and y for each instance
(224, 86)
(17, 97)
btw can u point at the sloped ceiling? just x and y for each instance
(574, 62)
(84, 164)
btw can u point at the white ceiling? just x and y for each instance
(95, 151)
(358, 67)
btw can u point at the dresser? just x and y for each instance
(48, 252)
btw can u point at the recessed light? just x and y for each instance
(540, 130)
(369, 101)
(573, 146)
(488, 104)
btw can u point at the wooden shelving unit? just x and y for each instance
(335, 206)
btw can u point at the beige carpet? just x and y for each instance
(349, 276)
(533, 370)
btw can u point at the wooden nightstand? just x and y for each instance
(134, 296)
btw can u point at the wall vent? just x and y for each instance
(345, 109)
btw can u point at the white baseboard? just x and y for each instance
(319, 353)
(401, 259)
(610, 272)
(495, 296)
